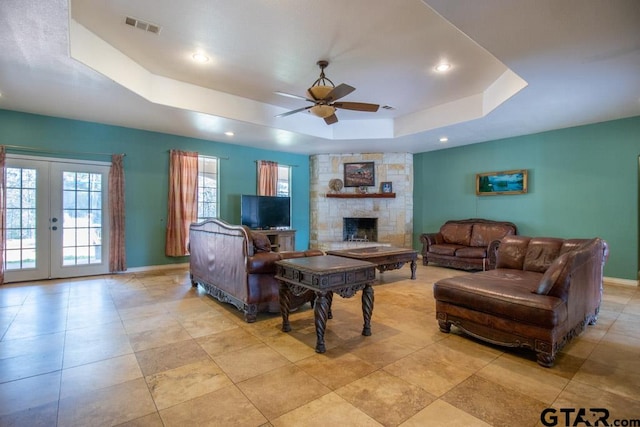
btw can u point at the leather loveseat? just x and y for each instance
(541, 294)
(237, 266)
(464, 244)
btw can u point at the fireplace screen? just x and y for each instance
(360, 229)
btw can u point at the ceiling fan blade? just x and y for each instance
(288, 113)
(338, 92)
(293, 96)
(331, 119)
(357, 106)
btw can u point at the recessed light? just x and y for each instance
(229, 133)
(444, 139)
(200, 57)
(441, 68)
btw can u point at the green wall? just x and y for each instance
(583, 182)
(146, 173)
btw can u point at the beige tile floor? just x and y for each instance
(150, 350)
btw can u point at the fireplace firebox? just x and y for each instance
(360, 229)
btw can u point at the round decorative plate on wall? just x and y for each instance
(336, 185)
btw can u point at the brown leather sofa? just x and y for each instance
(464, 244)
(237, 266)
(541, 294)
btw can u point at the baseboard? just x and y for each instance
(620, 282)
(156, 267)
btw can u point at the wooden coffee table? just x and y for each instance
(325, 275)
(385, 257)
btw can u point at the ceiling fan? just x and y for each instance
(324, 94)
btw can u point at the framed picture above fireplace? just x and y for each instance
(360, 174)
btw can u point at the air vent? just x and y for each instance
(387, 107)
(142, 25)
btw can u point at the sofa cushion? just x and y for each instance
(541, 253)
(506, 294)
(482, 234)
(261, 242)
(445, 249)
(553, 273)
(471, 252)
(456, 233)
(512, 251)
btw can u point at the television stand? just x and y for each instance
(281, 240)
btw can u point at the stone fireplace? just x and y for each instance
(360, 229)
(393, 215)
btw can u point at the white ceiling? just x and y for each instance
(518, 67)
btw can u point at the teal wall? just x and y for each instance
(146, 173)
(583, 182)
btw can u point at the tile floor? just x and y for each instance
(147, 349)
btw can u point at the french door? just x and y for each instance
(57, 223)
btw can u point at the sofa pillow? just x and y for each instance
(541, 253)
(511, 252)
(555, 271)
(261, 242)
(456, 233)
(483, 234)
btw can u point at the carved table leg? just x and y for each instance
(414, 266)
(320, 313)
(367, 309)
(285, 296)
(330, 298)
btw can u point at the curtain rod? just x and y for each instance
(208, 157)
(291, 166)
(46, 150)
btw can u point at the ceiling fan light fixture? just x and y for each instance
(319, 91)
(323, 111)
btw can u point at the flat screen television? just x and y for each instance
(264, 212)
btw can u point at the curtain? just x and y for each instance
(183, 198)
(117, 252)
(3, 210)
(267, 178)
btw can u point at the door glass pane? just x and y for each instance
(20, 251)
(82, 222)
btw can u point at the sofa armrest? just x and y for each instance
(263, 262)
(492, 254)
(577, 280)
(429, 239)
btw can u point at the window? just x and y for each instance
(21, 219)
(283, 189)
(207, 187)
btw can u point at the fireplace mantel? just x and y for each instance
(362, 195)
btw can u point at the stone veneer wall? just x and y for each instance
(395, 216)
